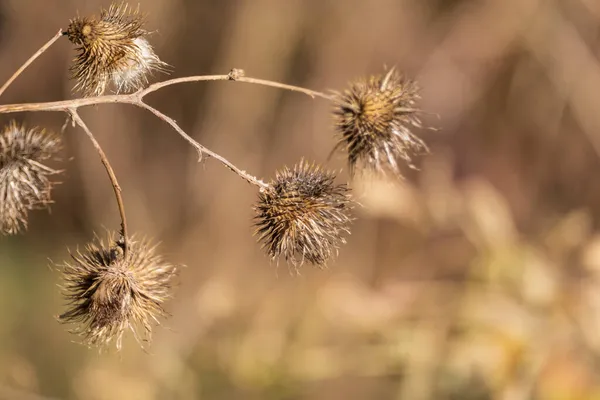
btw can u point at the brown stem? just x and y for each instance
(31, 59)
(111, 175)
(65, 105)
(203, 150)
(136, 98)
(235, 75)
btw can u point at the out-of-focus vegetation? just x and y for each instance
(474, 278)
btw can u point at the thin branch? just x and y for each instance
(203, 150)
(31, 59)
(111, 175)
(263, 82)
(65, 105)
(136, 98)
(236, 75)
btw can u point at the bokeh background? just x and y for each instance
(474, 278)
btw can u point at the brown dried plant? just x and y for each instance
(109, 293)
(112, 49)
(374, 119)
(24, 180)
(301, 215)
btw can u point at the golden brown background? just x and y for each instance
(475, 278)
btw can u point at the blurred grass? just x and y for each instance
(475, 278)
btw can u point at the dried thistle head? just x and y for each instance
(24, 180)
(303, 215)
(108, 294)
(112, 50)
(374, 118)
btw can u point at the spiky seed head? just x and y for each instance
(108, 294)
(374, 119)
(112, 51)
(24, 180)
(303, 215)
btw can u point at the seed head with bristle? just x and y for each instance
(112, 50)
(108, 294)
(374, 119)
(303, 215)
(24, 180)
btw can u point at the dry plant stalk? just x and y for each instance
(301, 215)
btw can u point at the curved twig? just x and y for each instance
(111, 175)
(236, 75)
(201, 149)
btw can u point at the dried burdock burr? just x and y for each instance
(374, 119)
(24, 180)
(303, 215)
(108, 293)
(112, 51)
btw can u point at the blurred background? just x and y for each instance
(474, 278)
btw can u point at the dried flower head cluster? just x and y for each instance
(374, 118)
(303, 215)
(24, 180)
(112, 50)
(109, 294)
